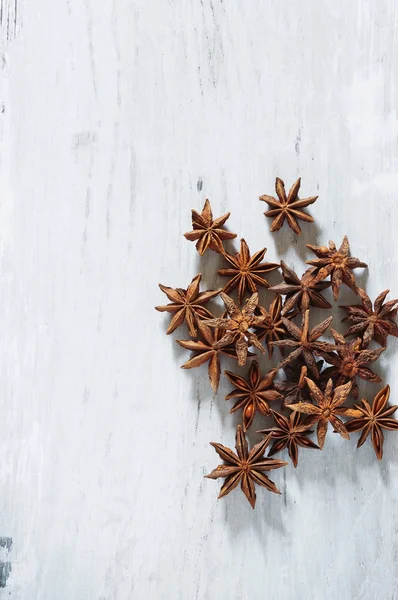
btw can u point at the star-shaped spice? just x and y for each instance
(293, 388)
(336, 263)
(290, 433)
(373, 419)
(327, 408)
(348, 362)
(304, 342)
(252, 394)
(206, 351)
(272, 328)
(237, 326)
(301, 292)
(376, 322)
(246, 271)
(187, 305)
(209, 233)
(244, 467)
(287, 207)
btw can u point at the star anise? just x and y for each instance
(301, 292)
(272, 328)
(187, 305)
(373, 419)
(244, 467)
(348, 362)
(372, 322)
(252, 394)
(336, 263)
(246, 272)
(208, 232)
(326, 374)
(206, 351)
(305, 342)
(291, 434)
(237, 326)
(289, 208)
(293, 388)
(327, 407)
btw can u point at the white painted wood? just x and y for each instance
(112, 112)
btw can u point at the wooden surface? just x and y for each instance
(116, 118)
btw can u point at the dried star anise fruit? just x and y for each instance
(290, 433)
(272, 328)
(336, 263)
(301, 292)
(304, 342)
(287, 207)
(244, 467)
(252, 394)
(246, 271)
(237, 326)
(293, 388)
(187, 305)
(373, 419)
(376, 322)
(207, 351)
(327, 407)
(348, 362)
(209, 233)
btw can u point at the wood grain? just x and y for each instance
(117, 117)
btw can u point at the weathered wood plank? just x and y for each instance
(117, 118)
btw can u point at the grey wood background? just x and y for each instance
(116, 118)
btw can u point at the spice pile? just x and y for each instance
(313, 392)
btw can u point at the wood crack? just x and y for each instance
(8, 21)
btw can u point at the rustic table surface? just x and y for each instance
(116, 118)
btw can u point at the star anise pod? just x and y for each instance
(272, 328)
(305, 342)
(301, 292)
(372, 322)
(208, 232)
(187, 305)
(291, 433)
(206, 351)
(246, 271)
(327, 407)
(336, 263)
(237, 326)
(373, 419)
(287, 207)
(348, 362)
(244, 467)
(293, 388)
(252, 394)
